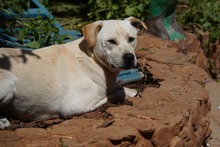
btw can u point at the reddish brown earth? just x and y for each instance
(173, 110)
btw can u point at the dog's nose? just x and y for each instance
(128, 58)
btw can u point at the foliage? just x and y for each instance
(40, 32)
(44, 2)
(37, 32)
(60, 8)
(70, 14)
(118, 9)
(16, 6)
(62, 143)
(203, 17)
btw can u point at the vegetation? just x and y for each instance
(201, 15)
(202, 18)
(31, 32)
(16, 6)
(40, 32)
(118, 9)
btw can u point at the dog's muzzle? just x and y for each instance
(128, 60)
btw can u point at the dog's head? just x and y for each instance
(113, 41)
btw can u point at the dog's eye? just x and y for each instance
(131, 39)
(112, 41)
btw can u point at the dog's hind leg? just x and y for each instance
(7, 91)
(7, 87)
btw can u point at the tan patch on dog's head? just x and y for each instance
(137, 23)
(90, 32)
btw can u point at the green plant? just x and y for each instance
(118, 9)
(62, 143)
(40, 32)
(143, 49)
(203, 19)
(202, 15)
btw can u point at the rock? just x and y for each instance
(120, 134)
(144, 126)
(162, 136)
(176, 142)
(191, 47)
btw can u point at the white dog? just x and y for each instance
(61, 81)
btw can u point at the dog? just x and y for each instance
(61, 81)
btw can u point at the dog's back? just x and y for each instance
(24, 74)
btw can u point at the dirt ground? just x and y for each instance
(172, 110)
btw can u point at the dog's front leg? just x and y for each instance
(120, 93)
(130, 92)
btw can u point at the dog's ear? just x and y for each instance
(90, 32)
(137, 23)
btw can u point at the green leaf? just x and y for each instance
(130, 11)
(6, 11)
(47, 36)
(22, 33)
(90, 1)
(109, 15)
(141, 7)
(115, 7)
(34, 44)
(206, 24)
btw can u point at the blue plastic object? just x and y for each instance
(130, 75)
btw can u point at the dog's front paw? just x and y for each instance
(131, 92)
(4, 123)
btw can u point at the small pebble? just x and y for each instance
(218, 108)
(207, 81)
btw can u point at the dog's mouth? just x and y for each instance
(127, 67)
(124, 67)
(113, 66)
